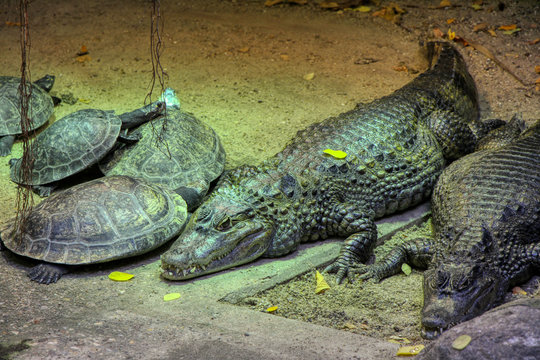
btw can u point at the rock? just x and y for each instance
(509, 331)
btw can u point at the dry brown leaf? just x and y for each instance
(275, 2)
(83, 58)
(392, 13)
(537, 69)
(445, 3)
(450, 21)
(244, 50)
(438, 33)
(400, 68)
(480, 27)
(492, 32)
(508, 27)
(534, 42)
(518, 291)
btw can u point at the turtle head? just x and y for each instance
(224, 232)
(170, 99)
(457, 292)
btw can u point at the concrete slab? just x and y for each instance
(85, 315)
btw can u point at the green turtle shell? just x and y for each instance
(98, 221)
(189, 157)
(70, 145)
(41, 105)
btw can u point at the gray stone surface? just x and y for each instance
(508, 332)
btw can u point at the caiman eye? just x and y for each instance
(225, 224)
(463, 283)
(229, 222)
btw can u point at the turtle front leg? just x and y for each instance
(44, 190)
(47, 273)
(358, 246)
(6, 143)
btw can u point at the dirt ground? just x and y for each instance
(257, 74)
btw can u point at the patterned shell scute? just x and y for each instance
(70, 145)
(101, 220)
(41, 106)
(190, 155)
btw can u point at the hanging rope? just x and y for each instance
(24, 193)
(158, 73)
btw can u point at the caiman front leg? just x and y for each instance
(357, 247)
(417, 253)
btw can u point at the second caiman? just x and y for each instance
(392, 152)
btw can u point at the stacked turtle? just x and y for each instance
(129, 211)
(41, 108)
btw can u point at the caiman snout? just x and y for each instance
(438, 315)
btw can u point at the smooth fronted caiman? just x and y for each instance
(387, 157)
(485, 233)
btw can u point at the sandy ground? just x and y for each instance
(240, 66)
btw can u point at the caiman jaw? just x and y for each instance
(199, 252)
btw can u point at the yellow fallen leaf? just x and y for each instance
(329, 5)
(338, 154)
(322, 285)
(363, 9)
(476, 7)
(84, 101)
(449, 21)
(284, 57)
(171, 296)
(537, 69)
(244, 50)
(451, 34)
(511, 32)
(492, 32)
(410, 350)
(406, 269)
(271, 309)
(350, 326)
(461, 342)
(120, 276)
(508, 27)
(309, 76)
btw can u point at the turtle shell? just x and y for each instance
(70, 145)
(187, 159)
(41, 106)
(98, 221)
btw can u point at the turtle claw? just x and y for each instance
(46, 273)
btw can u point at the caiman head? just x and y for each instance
(224, 232)
(456, 292)
(235, 225)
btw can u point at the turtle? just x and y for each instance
(97, 221)
(175, 150)
(76, 142)
(41, 108)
